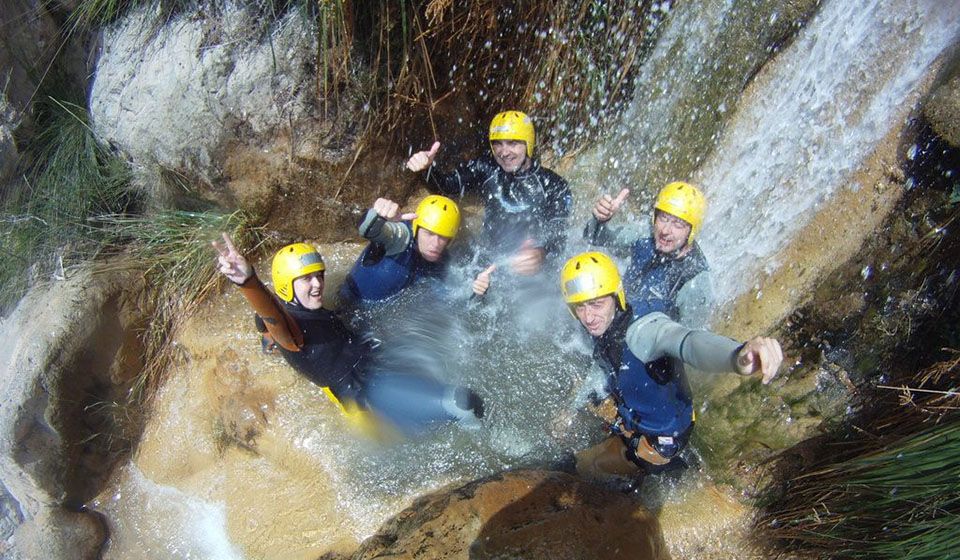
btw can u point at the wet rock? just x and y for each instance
(10, 518)
(942, 108)
(243, 417)
(61, 534)
(51, 378)
(30, 38)
(28, 35)
(521, 514)
(205, 90)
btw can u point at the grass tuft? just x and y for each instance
(174, 246)
(43, 228)
(889, 493)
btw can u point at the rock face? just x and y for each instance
(63, 345)
(521, 514)
(942, 107)
(30, 37)
(192, 93)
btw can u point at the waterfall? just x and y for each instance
(816, 111)
(826, 102)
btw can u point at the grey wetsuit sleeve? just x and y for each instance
(393, 236)
(655, 335)
(604, 234)
(695, 301)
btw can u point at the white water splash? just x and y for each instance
(831, 97)
(150, 520)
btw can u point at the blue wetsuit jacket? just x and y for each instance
(377, 276)
(652, 398)
(656, 276)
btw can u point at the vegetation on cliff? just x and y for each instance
(887, 489)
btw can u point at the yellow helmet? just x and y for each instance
(513, 125)
(589, 276)
(292, 262)
(438, 214)
(684, 201)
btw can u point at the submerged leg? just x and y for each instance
(415, 404)
(605, 460)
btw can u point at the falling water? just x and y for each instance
(829, 99)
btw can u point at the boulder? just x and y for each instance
(57, 533)
(215, 93)
(62, 344)
(521, 514)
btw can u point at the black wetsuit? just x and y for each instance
(321, 347)
(331, 355)
(532, 204)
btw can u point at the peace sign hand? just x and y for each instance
(231, 262)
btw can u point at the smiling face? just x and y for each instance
(430, 245)
(308, 290)
(596, 314)
(511, 155)
(670, 234)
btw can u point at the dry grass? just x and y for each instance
(569, 64)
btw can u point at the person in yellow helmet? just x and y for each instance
(665, 259)
(316, 343)
(403, 249)
(641, 352)
(526, 205)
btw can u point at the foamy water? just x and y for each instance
(829, 99)
(150, 520)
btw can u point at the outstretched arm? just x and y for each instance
(655, 335)
(381, 224)
(279, 323)
(598, 230)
